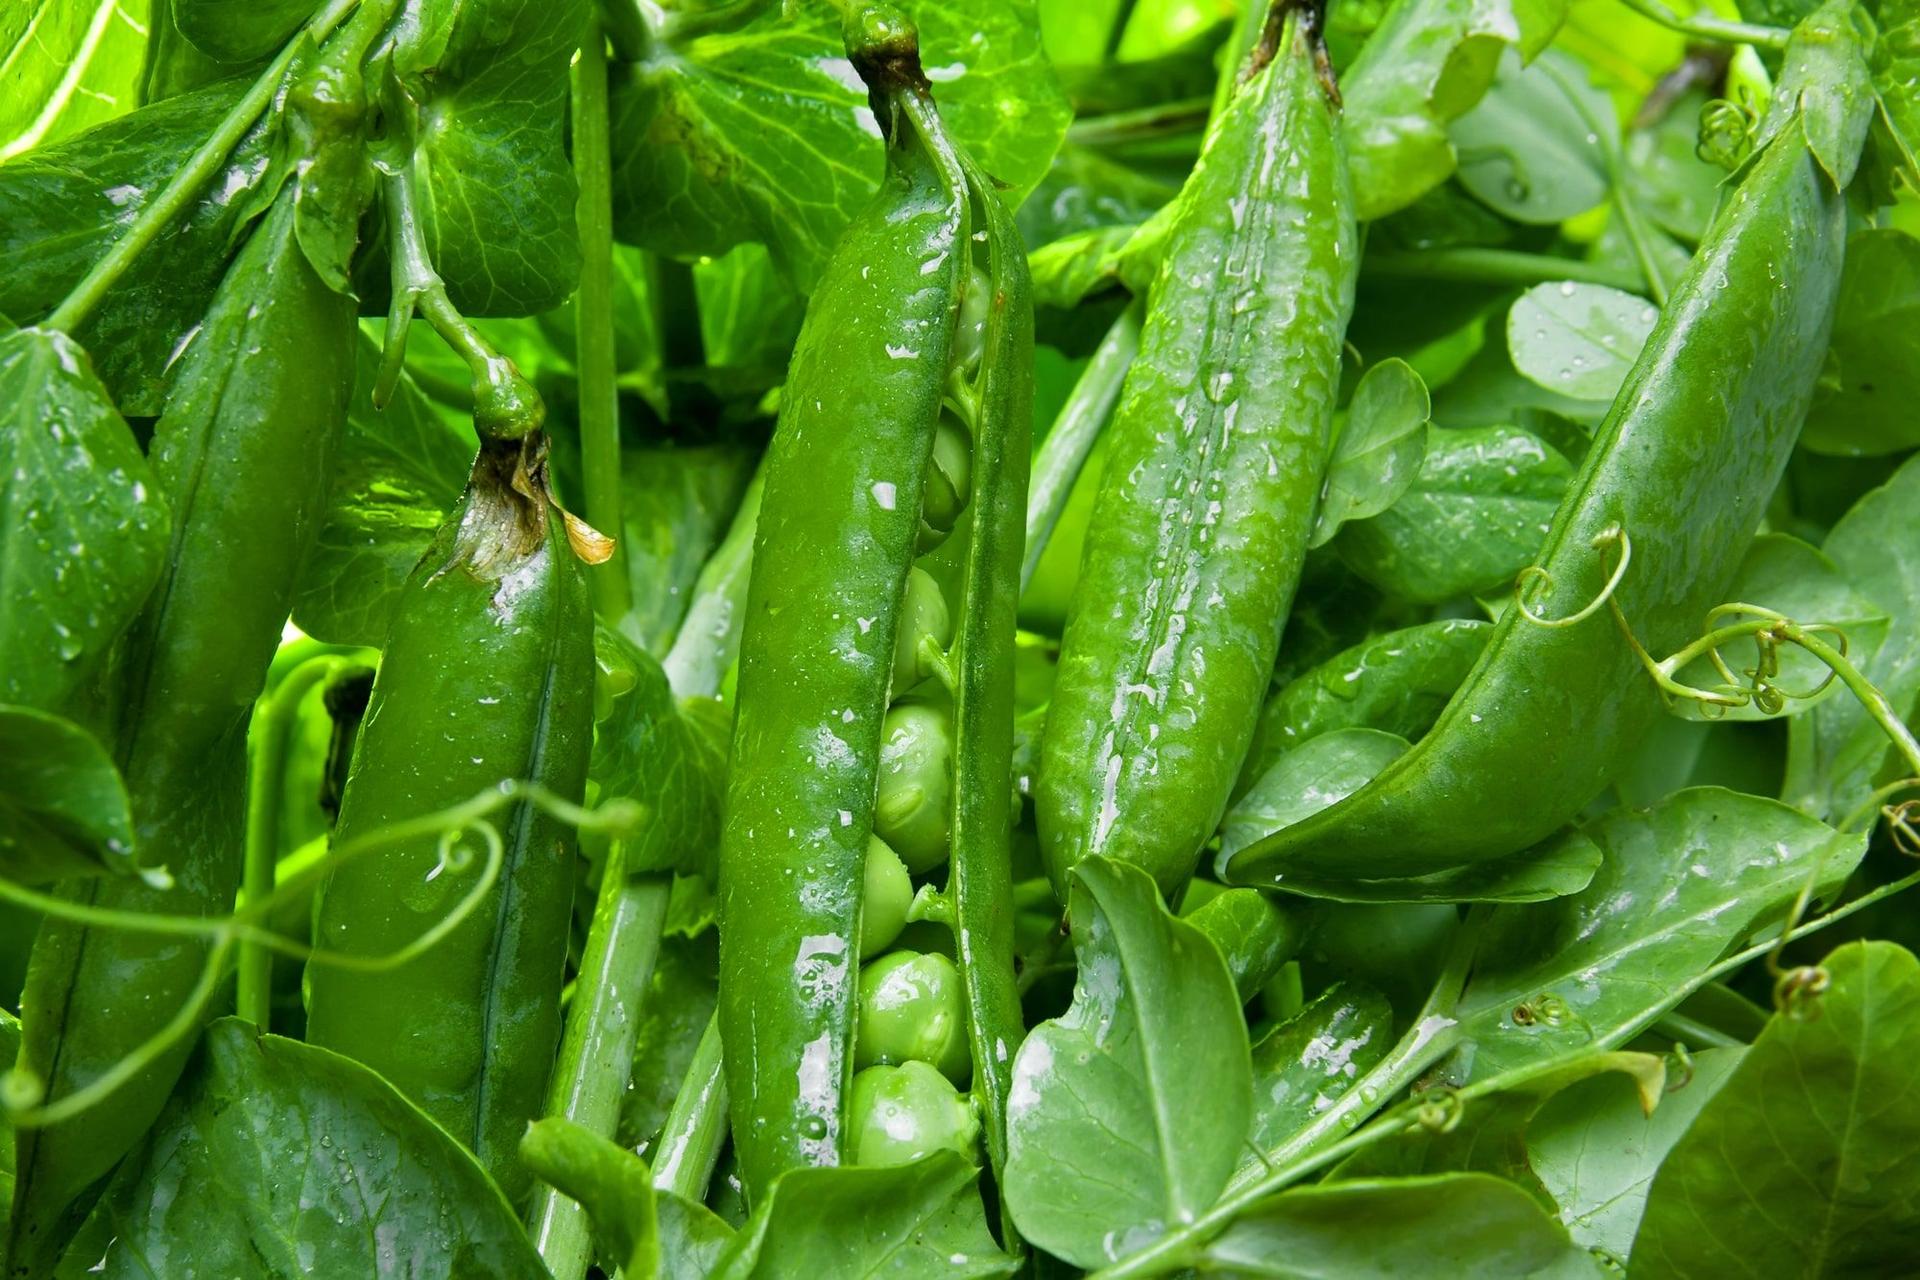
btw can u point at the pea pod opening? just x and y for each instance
(838, 528)
(904, 421)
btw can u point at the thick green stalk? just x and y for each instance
(696, 1125)
(1706, 26)
(596, 1050)
(1082, 418)
(163, 209)
(593, 309)
(1493, 267)
(623, 942)
(272, 731)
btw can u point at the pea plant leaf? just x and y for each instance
(1836, 752)
(239, 30)
(1835, 105)
(398, 471)
(207, 1192)
(1682, 883)
(1596, 1150)
(63, 808)
(1313, 776)
(1807, 1161)
(83, 528)
(673, 1016)
(761, 132)
(1782, 573)
(489, 150)
(1106, 1086)
(1375, 1228)
(1426, 64)
(62, 206)
(643, 1231)
(67, 66)
(1578, 339)
(1864, 404)
(1379, 449)
(1397, 683)
(1487, 1133)
(1529, 149)
(645, 750)
(1896, 82)
(1474, 517)
(1302, 1066)
(905, 1221)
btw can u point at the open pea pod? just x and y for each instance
(904, 420)
(1648, 537)
(1218, 450)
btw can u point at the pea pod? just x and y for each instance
(1197, 539)
(487, 675)
(1681, 469)
(243, 454)
(839, 523)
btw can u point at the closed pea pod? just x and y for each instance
(487, 676)
(1218, 449)
(1653, 527)
(243, 452)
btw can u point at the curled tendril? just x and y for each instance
(1439, 1109)
(1900, 822)
(1609, 1261)
(1680, 1072)
(22, 1091)
(1797, 992)
(1726, 133)
(1612, 535)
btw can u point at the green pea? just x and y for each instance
(970, 339)
(923, 615)
(911, 1011)
(911, 812)
(898, 1114)
(949, 482)
(888, 893)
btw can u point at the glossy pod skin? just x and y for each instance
(838, 528)
(1683, 463)
(244, 453)
(980, 881)
(1218, 447)
(487, 675)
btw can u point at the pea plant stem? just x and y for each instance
(1063, 454)
(594, 330)
(266, 786)
(174, 198)
(1507, 267)
(596, 1049)
(1706, 26)
(1874, 701)
(696, 1124)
